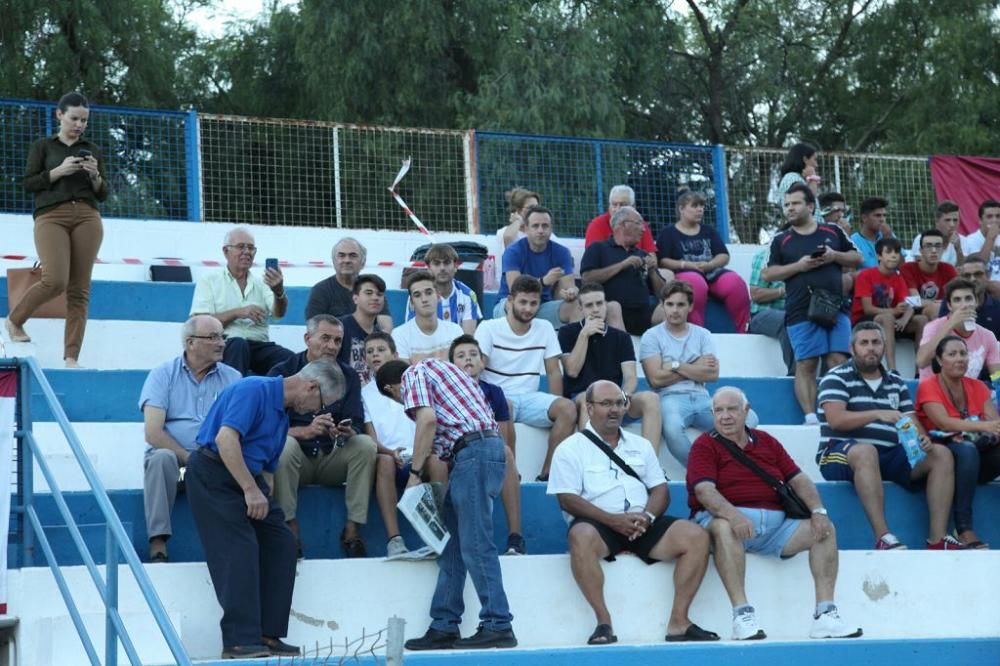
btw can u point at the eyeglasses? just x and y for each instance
(214, 337)
(608, 404)
(244, 247)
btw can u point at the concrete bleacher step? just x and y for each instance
(885, 593)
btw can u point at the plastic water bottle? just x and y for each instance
(995, 386)
(909, 439)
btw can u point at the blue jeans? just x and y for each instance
(474, 483)
(680, 411)
(971, 468)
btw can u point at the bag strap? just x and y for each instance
(746, 461)
(609, 452)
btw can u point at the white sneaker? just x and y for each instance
(811, 419)
(830, 625)
(395, 548)
(745, 627)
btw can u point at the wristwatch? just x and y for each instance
(821, 511)
(419, 473)
(675, 365)
(649, 514)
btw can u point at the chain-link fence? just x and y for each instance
(145, 155)
(267, 171)
(574, 177)
(905, 182)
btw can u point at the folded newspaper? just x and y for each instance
(418, 506)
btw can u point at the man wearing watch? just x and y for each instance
(743, 514)
(455, 424)
(610, 511)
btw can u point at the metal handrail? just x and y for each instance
(117, 543)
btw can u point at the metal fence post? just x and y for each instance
(192, 150)
(394, 641)
(600, 177)
(27, 459)
(111, 586)
(721, 183)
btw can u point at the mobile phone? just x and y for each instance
(345, 422)
(84, 153)
(819, 253)
(271, 262)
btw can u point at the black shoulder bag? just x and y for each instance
(615, 458)
(792, 504)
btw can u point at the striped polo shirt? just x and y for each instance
(845, 384)
(462, 305)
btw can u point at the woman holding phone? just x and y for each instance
(65, 172)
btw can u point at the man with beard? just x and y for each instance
(809, 258)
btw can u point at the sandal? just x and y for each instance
(603, 635)
(972, 545)
(353, 547)
(693, 633)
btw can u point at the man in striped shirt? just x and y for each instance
(859, 405)
(455, 423)
(458, 303)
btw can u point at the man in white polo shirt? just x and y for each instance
(517, 348)
(425, 335)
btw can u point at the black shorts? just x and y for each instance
(618, 543)
(638, 319)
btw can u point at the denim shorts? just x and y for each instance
(532, 408)
(811, 340)
(892, 463)
(771, 529)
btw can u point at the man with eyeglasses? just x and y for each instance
(927, 277)
(329, 447)
(335, 294)
(244, 303)
(974, 270)
(611, 508)
(175, 399)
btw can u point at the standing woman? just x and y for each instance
(65, 172)
(799, 167)
(697, 255)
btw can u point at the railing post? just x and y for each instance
(598, 164)
(27, 459)
(111, 585)
(721, 179)
(192, 152)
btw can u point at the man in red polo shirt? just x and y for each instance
(927, 276)
(599, 228)
(743, 514)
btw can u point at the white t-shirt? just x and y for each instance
(393, 428)
(974, 243)
(949, 255)
(515, 363)
(415, 345)
(580, 468)
(658, 341)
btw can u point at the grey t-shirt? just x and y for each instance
(658, 341)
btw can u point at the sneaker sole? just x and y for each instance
(498, 645)
(856, 634)
(759, 636)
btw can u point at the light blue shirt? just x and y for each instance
(172, 387)
(869, 258)
(659, 342)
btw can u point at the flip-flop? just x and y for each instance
(603, 635)
(693, 633)
(976, 545)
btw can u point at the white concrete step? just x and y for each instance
(890, 595)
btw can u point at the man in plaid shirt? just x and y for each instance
(767, 308)
(455, 423)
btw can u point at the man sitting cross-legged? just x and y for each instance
(610, 511)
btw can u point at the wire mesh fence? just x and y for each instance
(574, 177)
(145, 157)
(905, 182)
(301, 173)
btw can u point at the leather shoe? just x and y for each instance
(279, 648)
(246, 652)
(484, 638)
(433, 640)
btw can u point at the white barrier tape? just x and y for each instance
(176, 261)
(403, 170)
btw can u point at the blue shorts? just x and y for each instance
(771, 529)
(402, 477)
(892, 463)
(532, 408)
(811, 340)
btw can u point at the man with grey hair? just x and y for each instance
(335, 294)
(599, 228)
(175, 398)
(328, 448)
(743, 513)
(628, 273)
(248, 548)
(244, 304)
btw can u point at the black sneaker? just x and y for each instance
(484, 639)
(433, 640)
(515, 545)
(280, 648)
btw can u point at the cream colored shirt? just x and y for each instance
(219, 291)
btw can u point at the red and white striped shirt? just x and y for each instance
(455, 397)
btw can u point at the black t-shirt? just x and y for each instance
(352, 352)
(350, 406)
(605, 355)
(330, 297)
(672, 243)
(628, 287)
(788, 247)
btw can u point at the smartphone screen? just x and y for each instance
(272, 262)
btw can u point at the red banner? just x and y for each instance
(968, 181)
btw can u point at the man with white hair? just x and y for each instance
(335, 294)
(599, 228)
(743, 513)
(244, 304)
(174, 401)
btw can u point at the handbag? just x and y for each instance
(791, 503)
(824, 307)
(20, 280)
(615, 458)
